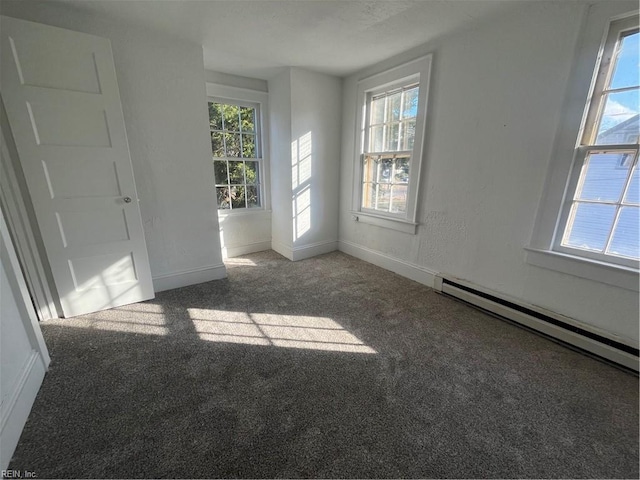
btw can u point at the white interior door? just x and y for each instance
(62, 100)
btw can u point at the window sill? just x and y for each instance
(397, 224)
(616, 275)
(241, 212)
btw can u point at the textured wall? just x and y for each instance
(495, 103)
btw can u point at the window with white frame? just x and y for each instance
(600, 219)
(237, 158)
(393, 114)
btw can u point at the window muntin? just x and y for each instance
(601, 220)
(389, 139)
(235, 144)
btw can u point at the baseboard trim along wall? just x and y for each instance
(304, 251)
(237, 250)
(567, 330)
(285, 250)
(189, 277)
(409, 270)
(18, 406)
(313, 249)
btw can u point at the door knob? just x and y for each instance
(127, 199)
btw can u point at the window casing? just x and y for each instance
(599, 218)
(237, 154)
(392, 110)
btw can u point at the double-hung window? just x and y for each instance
(237, 156)
(392, 115)
(600, 219)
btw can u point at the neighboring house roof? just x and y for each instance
(630, 128)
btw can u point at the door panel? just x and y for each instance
(63, 104)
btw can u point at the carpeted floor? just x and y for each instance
(328, 367)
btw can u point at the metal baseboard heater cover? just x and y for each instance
(548, 323)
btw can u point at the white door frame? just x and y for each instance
(22, 227)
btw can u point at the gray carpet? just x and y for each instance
(324, 368)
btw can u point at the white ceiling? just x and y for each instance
(256, 38)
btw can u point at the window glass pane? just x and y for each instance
(375, 139)
(368, 195)
(369, 169)
(377, 111)
(410, 107)
(217, 144)
(253, 197)
(248, 146)
(393, 131)
(383, 197)
(247, 118)
(604, 175)
(236, 172)
(633, 193)
(220, 171)
(402, 170)
(232, 144)
(385, 170)
(619, 122)
(237, 197)
(393, 108)
(625, 236)
(251, 171)
(626, 70)
(408, 135)
(399, 204)
(222, 194)
(231, 115)
(591, 226)
(215, 116)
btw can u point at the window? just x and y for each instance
(393, 113)
(600, 220)
(237, 158)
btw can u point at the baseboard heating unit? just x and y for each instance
(558, 327)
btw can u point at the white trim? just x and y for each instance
(397, 224)
(563, 170)
(313, 249)
(236, 93)
(616, 275)
(185, 278)
(21, 292)
(215, 90)
(16, 410)
(409, 270)
(417, 70)
(572, 338)
(240, 212)
(18, 219)
(284, 250)
(237, 250)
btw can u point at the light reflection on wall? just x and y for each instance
(301, 173)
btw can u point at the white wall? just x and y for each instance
(496, 97)
(280, 138)
(305, 202)
(23, 353)
(316, 103)
(162, 89)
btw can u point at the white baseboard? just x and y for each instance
(405, 269)
(189, 277)
(284, 250)
(237, 250)
(314, 249)
(18, 406)
(304, 251)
